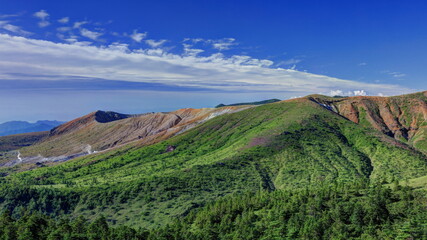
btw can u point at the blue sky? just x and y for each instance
(59, 60)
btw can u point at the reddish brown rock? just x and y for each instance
(402, 117)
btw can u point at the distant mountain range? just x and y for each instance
(17, 127)
(249, 103)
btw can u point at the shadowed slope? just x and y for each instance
(10, 143)
(13, 142)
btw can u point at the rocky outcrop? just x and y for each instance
(82, 122)
(402, 117)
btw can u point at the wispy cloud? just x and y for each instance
(118, 62)
(64, 20)
(223, 44)
(348, 93)
(63, 29)
(79, 24)
(13, 28)
(219, 44)
(3, 16)
(43, 16)
(362, 64)
(394, 74)
(90, 34)
(154, 43)
(189, 51)
(194, 40)
(137, 37)
(292, 61)
(397, 74)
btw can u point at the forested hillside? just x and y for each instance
(292, 169)
(333, 211)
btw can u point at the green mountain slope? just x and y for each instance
(330, 211)
(402, 117)
(285, 145)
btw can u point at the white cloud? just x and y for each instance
(291, 61)
(223, 44)
(13, 28)
(154, 43)
(362, 64)
(30, 57)
(194, 40)
(79, 24)
(43, 16)
(121, 47)
(336, 93)
(10, 15)
(397, 75)
(90, 34)
(43, 24)
(359, 93)
(64, 20)
(137, 37)
(339, 92)
(188, 51)
(219, 44)
(63, 29)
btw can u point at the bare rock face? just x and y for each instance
(402, 117)
(98, 116)
(100, 131)
(170, 148)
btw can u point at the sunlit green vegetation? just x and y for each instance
(333, 211)
(267, 153)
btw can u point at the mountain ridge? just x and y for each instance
(273, 100)
(17, 127)
(101, 130)
(293, 144)
(402, 117)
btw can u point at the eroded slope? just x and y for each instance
(99, 131)
(402, 117)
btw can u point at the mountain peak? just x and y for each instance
(108, 116)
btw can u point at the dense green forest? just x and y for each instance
(335, 211)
